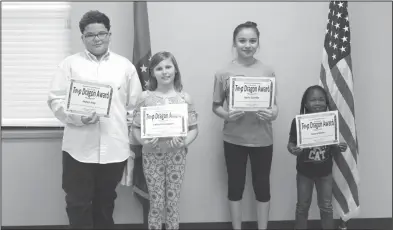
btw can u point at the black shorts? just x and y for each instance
(236, 160)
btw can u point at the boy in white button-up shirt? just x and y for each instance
(95, 149)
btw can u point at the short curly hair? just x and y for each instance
(94, 16)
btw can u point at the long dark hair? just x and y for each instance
(303, 108)
(155, 60)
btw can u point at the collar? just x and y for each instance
(92, 57)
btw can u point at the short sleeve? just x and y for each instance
(136, 121)
(218, 91)
(192, 114)
(292, 132)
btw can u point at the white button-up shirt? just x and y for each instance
(107, 140)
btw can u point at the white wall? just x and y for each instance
(200, 35)
(371, 25)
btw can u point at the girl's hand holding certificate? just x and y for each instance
(177, 142)
(343, 146)
(265, 114)
(292, 148)
(234, 115)
(152, 142)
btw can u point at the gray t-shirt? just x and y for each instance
(247, 130)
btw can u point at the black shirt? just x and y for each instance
(315, 161)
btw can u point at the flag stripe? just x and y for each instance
(352, 164)
(343, 88)
(346, 192)
(346, 133)
(348, 60)
(340, 198)
(347, 174)
(344, 129)
(342, 106)
(346, 72)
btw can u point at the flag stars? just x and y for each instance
(346, 28)
(330, 44)
(334, 56)
(150, 58)
(347, 18)
(335, 35)
(338, 15)
(327, 31)
(143, 68)
(342, 49)
(334, 46)
(147, 84)
(344, 39)
(337, 25)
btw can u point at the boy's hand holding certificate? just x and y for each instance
(317, 129)
(164, 121)
(85, 98)
(251, 93)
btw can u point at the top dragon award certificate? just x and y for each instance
(251, 93)
(85, 97)
(317, 129)
(164, 121)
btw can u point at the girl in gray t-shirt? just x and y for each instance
(246, 133)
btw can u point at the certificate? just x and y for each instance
(164, 121)
(251, 93)
(85, 97)
(317, 129)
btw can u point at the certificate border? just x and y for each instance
(336, 135)
(231, 92)
(72, 81)
(143, 121)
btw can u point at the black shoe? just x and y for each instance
(342, 225)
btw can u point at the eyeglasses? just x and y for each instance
(100, 35)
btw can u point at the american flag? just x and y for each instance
(141, 58)
(337, 79)
(142, 50)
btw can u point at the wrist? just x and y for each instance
(226, 115)
(83, 120)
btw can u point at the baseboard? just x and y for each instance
(361, 223)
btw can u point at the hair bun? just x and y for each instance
(251, 23)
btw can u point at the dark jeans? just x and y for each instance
(90, 192)
(236, 160)
(305, 186)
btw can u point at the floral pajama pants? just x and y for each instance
(164, 174)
